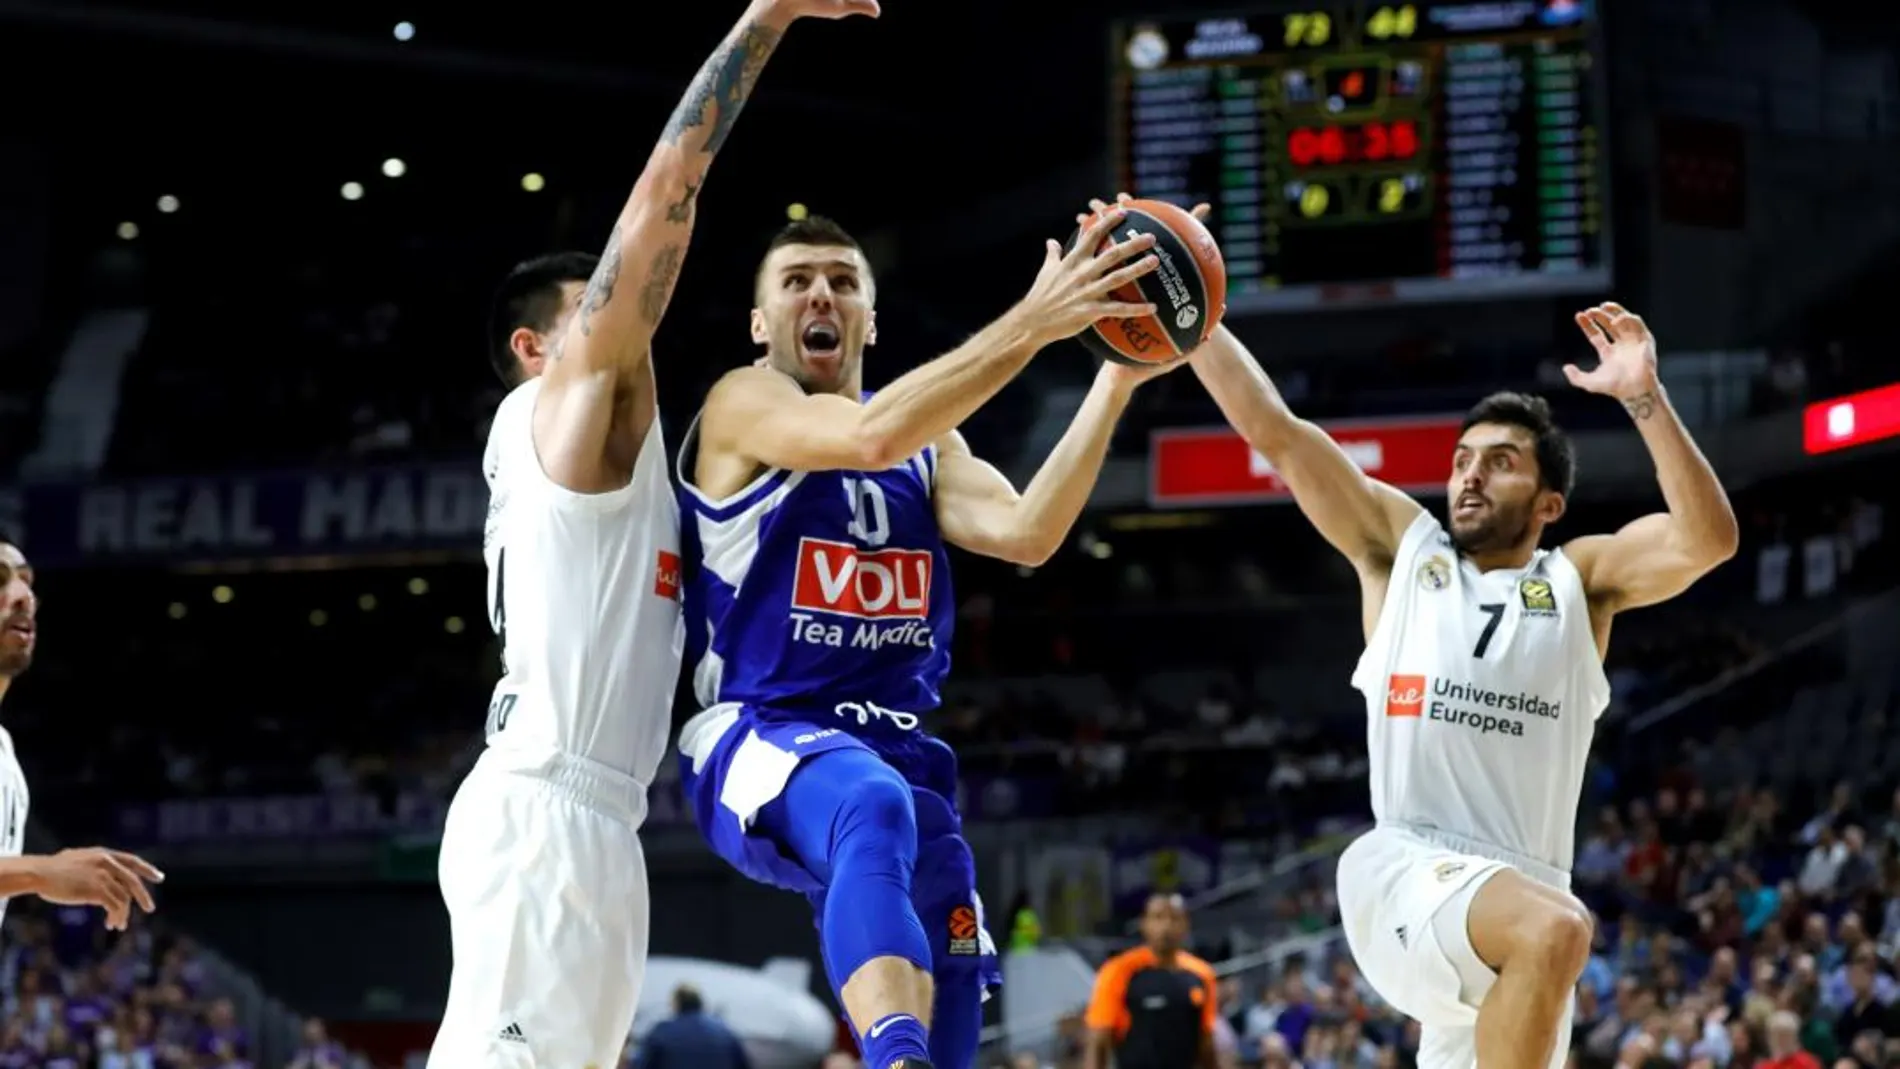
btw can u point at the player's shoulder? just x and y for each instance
(1128, 962)
(751, 379)
(1195, 964)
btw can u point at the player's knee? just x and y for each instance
(1556, 937)
(880, 807)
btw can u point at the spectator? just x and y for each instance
(690, 1039)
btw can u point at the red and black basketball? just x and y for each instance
(1188, 288)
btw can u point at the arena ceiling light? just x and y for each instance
(533, 182)
(352, 191)
(168, 204)
(393, 167)
(404, 31)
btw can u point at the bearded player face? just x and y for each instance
(1497, 497)
(18, 609)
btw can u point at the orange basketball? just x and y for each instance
(1188, 288)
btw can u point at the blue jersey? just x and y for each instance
(819, 594)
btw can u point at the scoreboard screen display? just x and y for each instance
(1362, 151)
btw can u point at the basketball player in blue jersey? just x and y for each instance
(819, 610)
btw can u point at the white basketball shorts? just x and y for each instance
(1404, 896)
(546, 888)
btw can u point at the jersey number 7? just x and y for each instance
(1495, 611)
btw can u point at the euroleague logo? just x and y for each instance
(964, 930)
(1173, 282)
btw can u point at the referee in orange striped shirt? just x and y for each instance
(1155, 1006)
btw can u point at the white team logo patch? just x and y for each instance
(1434, 574)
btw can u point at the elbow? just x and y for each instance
(876, 452)
(1726, 540)
(668, 182)
(1029, 551)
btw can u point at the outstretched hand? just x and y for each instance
(1626, 354)
(826, 9)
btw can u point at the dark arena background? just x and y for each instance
(245, 256)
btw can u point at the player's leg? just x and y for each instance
(963, 957)
(847, 817)
(1535, 941)
(484, 935)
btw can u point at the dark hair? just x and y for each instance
(686, 999)
(811, 230)
(531, 297)
(1556, 458)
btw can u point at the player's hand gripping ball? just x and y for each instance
(1188, 288)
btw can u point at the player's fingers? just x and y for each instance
(1098, 232)
(1122, 276)
(139, 866)
(1202, 211)
(1120, 310)
(1120, 252)
(1123, 198)
(110, 895)
(1097, 204)
(1575, 375)
(126, 879)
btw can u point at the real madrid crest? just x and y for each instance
(1434, 574)
(1537, 596)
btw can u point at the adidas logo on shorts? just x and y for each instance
(512, 1034)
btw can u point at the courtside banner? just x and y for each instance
(359, 512)
(1214, 466)
(1856, 419)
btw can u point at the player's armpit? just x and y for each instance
(1358, 515)
(756, 416)
(1649, 560)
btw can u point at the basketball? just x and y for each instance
(1188, 288)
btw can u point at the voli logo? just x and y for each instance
(1405, 695)
(844, 580)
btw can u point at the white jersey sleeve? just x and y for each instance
(1482, 694)
(584, 595)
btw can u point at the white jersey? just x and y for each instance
(1482, 691)
(13, 802)
(584, 593)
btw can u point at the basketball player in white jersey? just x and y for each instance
(540, 865)
(110, 879)
(1483, 680)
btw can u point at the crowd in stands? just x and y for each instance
(1752, 930)
(75, 996)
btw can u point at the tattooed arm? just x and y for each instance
(597, 395)
(1656, 557)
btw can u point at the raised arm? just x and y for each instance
(978, 509)
(1658, 556)
(1360, 516)
(762, 417)
(601, 362)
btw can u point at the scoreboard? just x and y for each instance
(1361, 151)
